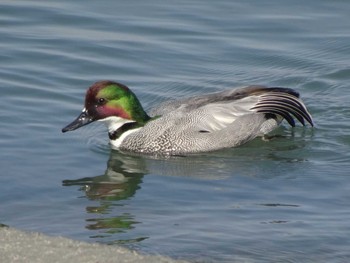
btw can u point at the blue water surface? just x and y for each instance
(283, 200)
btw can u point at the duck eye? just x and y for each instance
(101, 101)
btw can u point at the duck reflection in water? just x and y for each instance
(125, 174)
(120, 181)
(123, 178)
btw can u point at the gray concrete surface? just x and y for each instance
(28, 247)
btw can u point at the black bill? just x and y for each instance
(83, 119)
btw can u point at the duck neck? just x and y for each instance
(117, 126)
(138, 114)
(114, 135)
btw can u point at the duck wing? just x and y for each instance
(198, 101)
(220, 109)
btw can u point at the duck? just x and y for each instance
(191, 125)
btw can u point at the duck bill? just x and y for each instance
(83, 119)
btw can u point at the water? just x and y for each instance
(286, 200)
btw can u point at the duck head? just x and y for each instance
(111, 102)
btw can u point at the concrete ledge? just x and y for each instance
(19, 246)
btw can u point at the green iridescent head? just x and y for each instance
(107, 99)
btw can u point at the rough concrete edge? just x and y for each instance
(21, 246)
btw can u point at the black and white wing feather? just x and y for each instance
(283, 102)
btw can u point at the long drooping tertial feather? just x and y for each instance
(285, 105)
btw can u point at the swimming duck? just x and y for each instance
(197, 124)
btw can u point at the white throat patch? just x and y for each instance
(113, 123)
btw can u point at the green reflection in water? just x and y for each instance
(113, 225)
